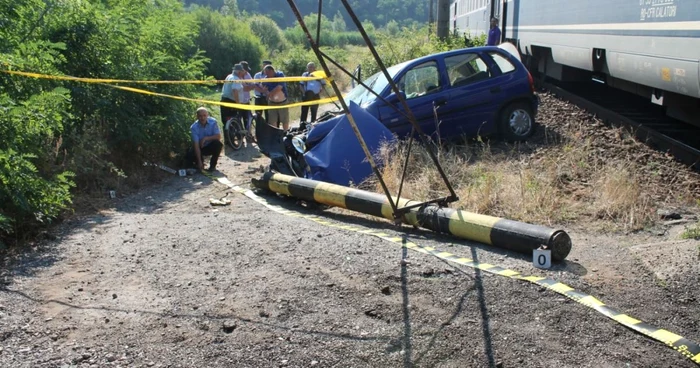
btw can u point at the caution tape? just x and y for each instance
(228, 104)
(686, 347)
(210, 81)
(247, 107)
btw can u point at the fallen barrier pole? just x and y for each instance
(512, 235)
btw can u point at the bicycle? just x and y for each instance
(236, 132)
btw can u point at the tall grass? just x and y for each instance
(561, 184)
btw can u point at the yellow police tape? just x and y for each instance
(686, 347)
(229, 104)
(316, 76)
(319, 75)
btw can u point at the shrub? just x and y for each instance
(409, 44)
(32, 188)
(269, 33)
(226, 41)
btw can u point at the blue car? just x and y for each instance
(475, 91)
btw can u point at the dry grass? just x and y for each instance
(558, 183)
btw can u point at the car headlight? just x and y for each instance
(299, 144)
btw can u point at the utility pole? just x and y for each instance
(431, 20)
(443, 18)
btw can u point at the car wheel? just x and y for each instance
(234, 134)
(517, 122)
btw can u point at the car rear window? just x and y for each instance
(503, 63)
(466, 69)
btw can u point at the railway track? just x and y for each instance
(646, 121)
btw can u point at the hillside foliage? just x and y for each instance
(378, 12)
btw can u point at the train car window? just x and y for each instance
(503, 63)
(466, 69)
(421, 80)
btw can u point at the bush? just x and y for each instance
(409, 44)
(51, 128)
(226, 41)
(269, 33)
(33, 189)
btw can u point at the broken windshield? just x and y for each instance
(377, 83)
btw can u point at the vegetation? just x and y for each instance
(410, 43)
(692, 232)
(502, 183)
(227, 42)
(61, 137)
(380, 13)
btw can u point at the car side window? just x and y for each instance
(503, 63)
(420, 80)
(466, 69)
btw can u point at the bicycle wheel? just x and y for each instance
(234, 134)
(250, 132)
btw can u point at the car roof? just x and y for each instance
(456, 52)
(460, 51)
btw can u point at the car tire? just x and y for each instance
(517, 122)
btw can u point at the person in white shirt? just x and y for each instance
(311, 91)
(227, 96)
(241, 91)
(259, 92)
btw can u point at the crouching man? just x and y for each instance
(206, 141)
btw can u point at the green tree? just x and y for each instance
(410, 43)
(268, 32)
(226, 41)
(230, 7)
(393, 28)
(338, 23)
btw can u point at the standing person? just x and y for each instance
(227, 96)
(494, 33)
(260, 97)
(206, 141)
(311, 91)
(245, 66)
(241, 91)
(276, 96)
(241, 94)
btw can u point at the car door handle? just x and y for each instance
(496, 89)
(439, 101)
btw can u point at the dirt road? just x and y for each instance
(164, 279)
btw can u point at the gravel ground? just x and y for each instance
(163, 279)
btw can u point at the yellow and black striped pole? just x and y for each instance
(513, 235)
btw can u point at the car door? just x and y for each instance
(473, 95)
(419, 84)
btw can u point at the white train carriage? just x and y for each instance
(647, 47)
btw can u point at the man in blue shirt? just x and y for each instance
(276, 96)
(260, 97)
(311, 91)
(206, 141)
(494, 33)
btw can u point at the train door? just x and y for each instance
(453, 11)
(496, 9)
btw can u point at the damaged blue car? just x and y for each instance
(325, 151)
(467, 92)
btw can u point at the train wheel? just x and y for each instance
(517, 122)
